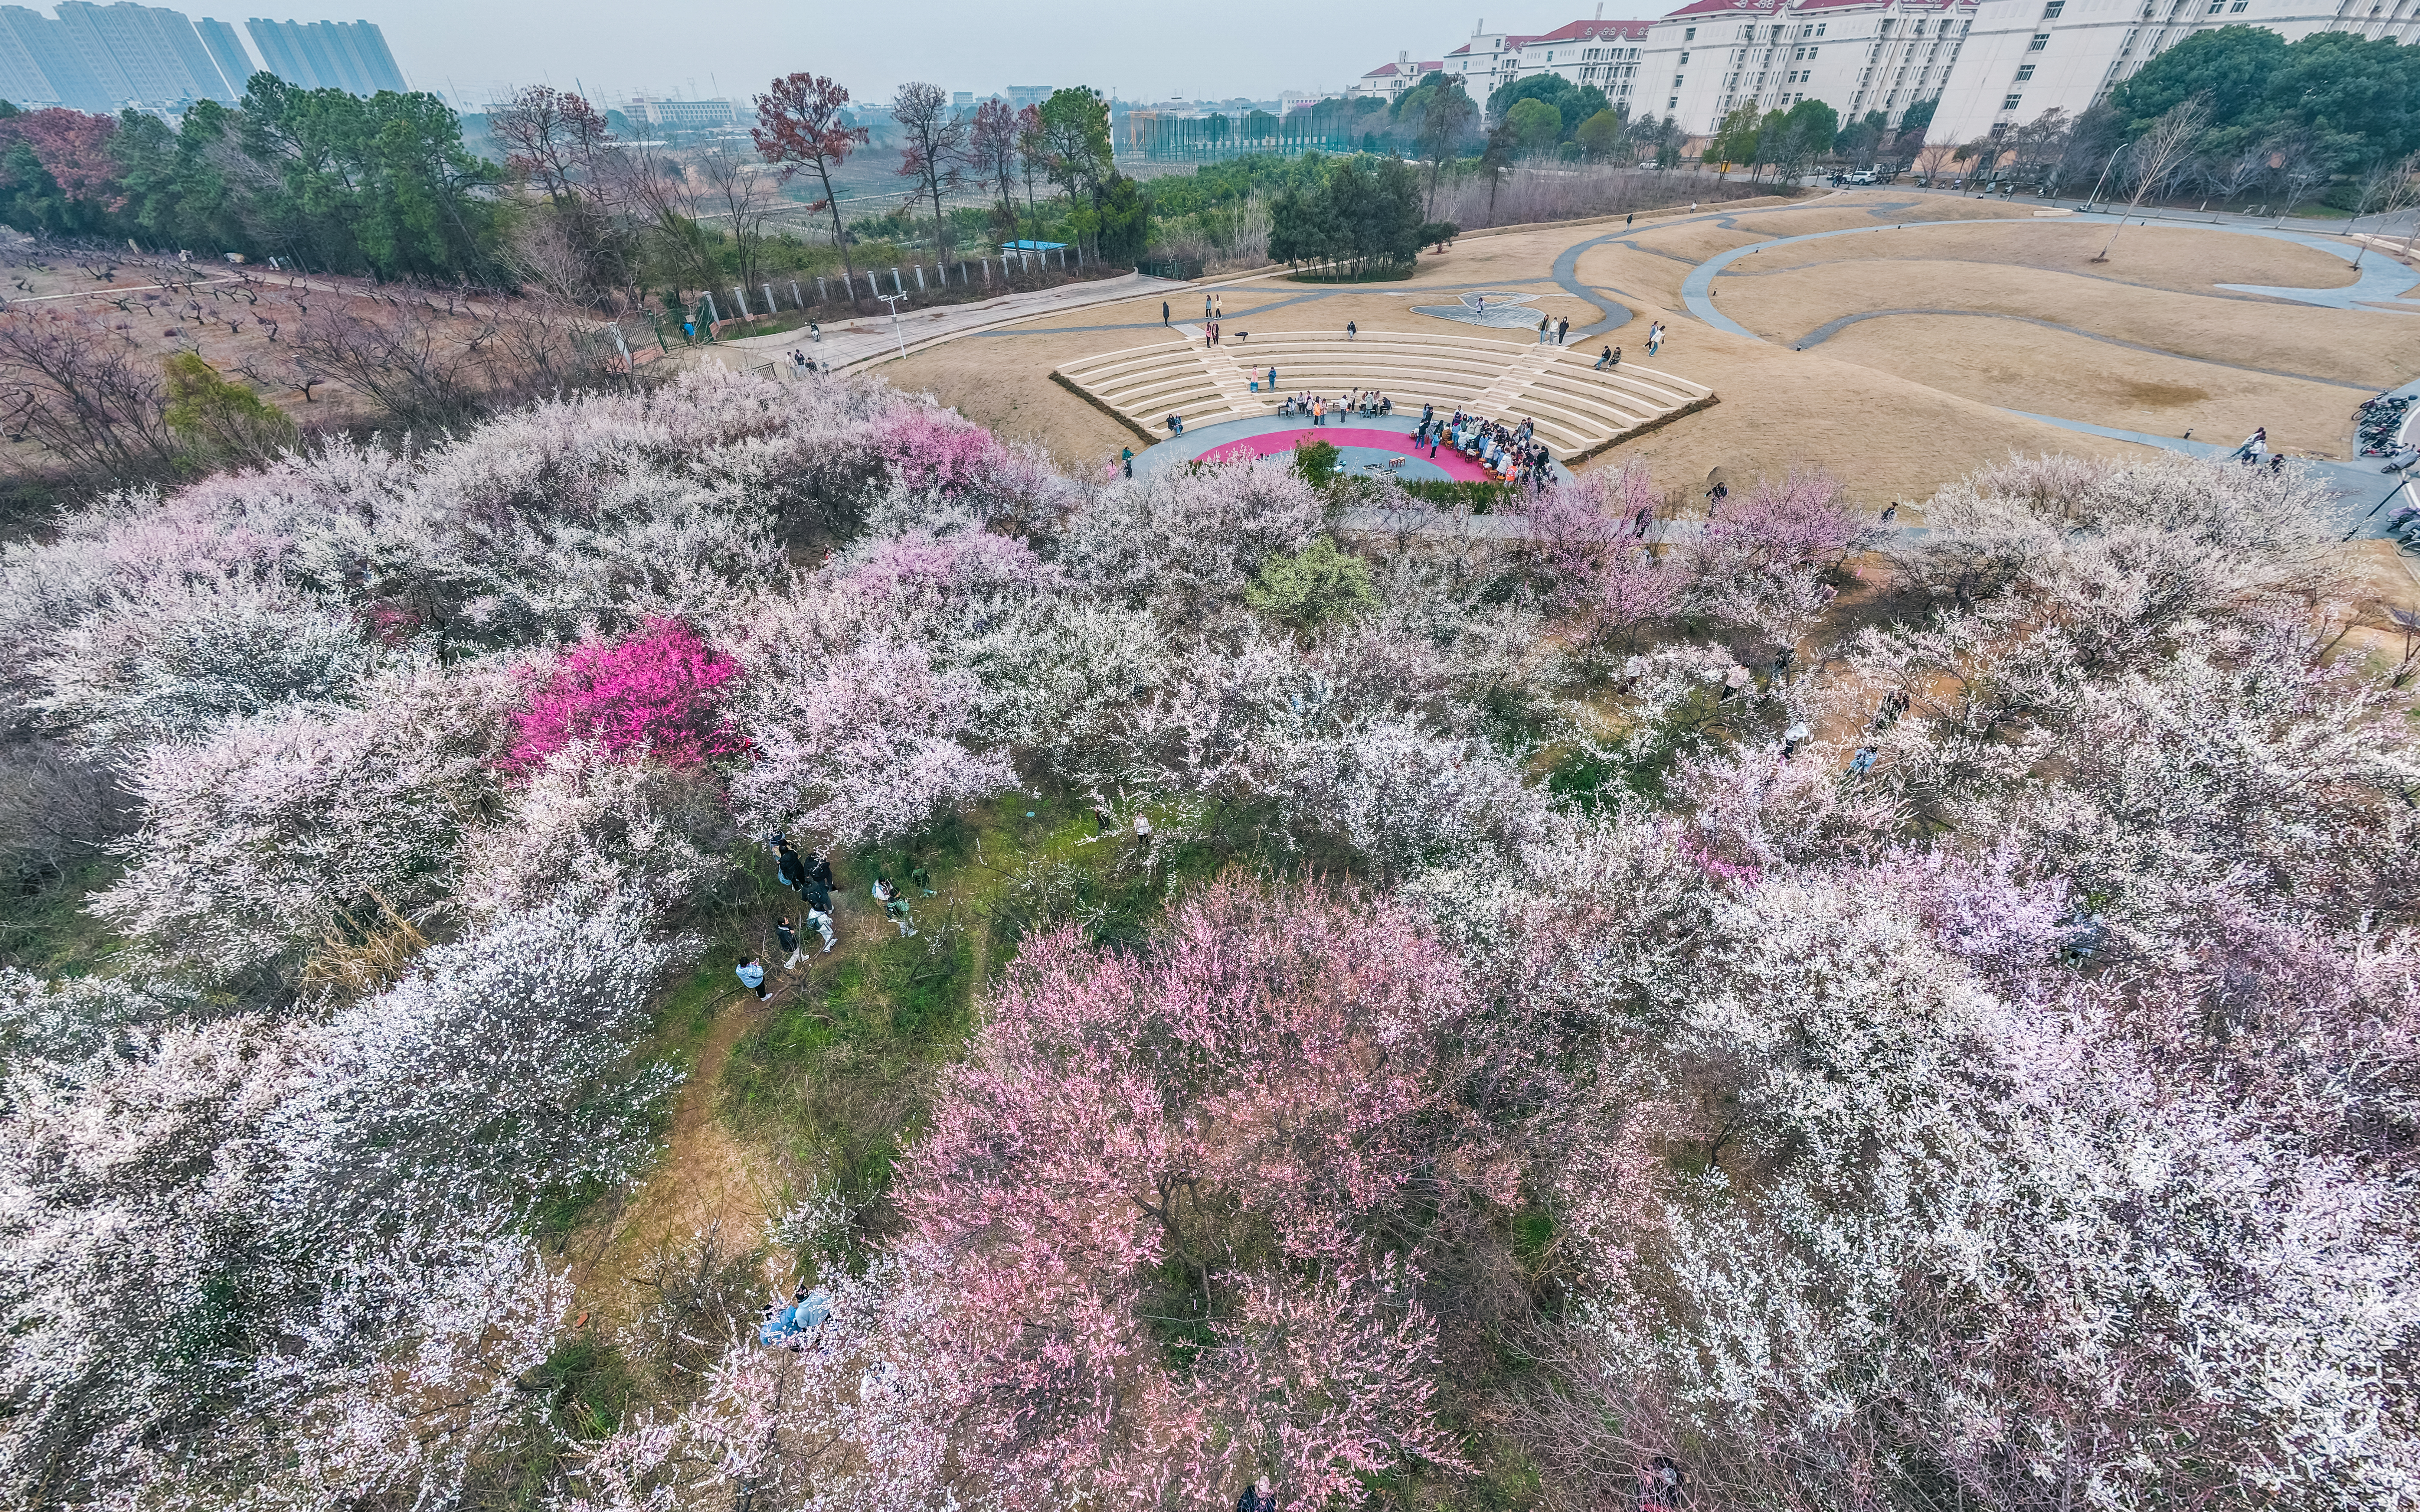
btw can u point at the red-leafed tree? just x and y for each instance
(798, 126)
(937, 139)
(74, 148)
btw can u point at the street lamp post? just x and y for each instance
(894, 300)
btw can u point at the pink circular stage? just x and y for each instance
(1349, 440)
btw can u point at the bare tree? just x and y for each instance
(991, 152)
(740, 192)
(2390, 186)
(81, 393)
(1446, 115)
(662, 191)
(2156, 153)
(1930, 158)
(2297, 167)
(936, 140)
(400, 358)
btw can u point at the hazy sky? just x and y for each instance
(474, 49)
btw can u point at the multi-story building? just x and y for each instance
(1855, 55)
(2026, 57)
(1388, 80)
(350, 56)
(1487, 62)
(107, 58)
(682, 114)
(226, 47)
(1598, 52)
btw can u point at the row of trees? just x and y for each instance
(1363, 216)
(322, 180)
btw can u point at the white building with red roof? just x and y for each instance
(1388, 80)
(1597, 52)
(1487, 62)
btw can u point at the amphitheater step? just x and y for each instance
(1579, 411)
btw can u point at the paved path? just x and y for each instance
(2358, 485)
(866, 340)
(2381, 278)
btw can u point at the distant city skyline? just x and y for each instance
(473, 54)
(101, 57)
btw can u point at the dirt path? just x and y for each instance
(704, 1175)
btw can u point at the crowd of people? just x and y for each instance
(1353, 402)
(1513, 453)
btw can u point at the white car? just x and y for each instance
(1862, 177)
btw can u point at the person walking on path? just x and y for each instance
(1543, 322)
(1163, 312)
(819, 919)
(789, 938)
(751, 977)
(1352, 332)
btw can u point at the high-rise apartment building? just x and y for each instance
(226, 47)
(327, 54)
(106, 57)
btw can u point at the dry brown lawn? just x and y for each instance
(1894, 406)
(2052, 373)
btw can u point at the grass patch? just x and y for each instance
(838, 1078)
(46, 931)
(1478, 497)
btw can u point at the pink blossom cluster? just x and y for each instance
(653, 694)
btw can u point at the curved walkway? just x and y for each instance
(2356, 484)
(2382, 280)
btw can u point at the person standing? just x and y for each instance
(1125, 460)
(1351, 331)
(1163, 312)
(793, 871)
(1543, 323)
(1219, 307)
(751, 977)
(1319, 411)
(1562, 328)
(1206, 306)
(789, 938)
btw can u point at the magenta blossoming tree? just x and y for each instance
(651, 695)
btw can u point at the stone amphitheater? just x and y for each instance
(1579, 411)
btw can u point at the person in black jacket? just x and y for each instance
(1257, 1497)
(793, 869)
